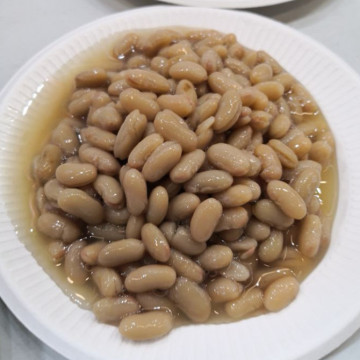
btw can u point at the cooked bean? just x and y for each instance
(253, 185)
(211, 61)
(161, 65)
(233, 218)
(105, 117)
(236, 195)
(92, 78)
(168, 229)
(287, 199)
(76, 202)
(138, 61)
(97, 137)
(116, 216)
(129, 134)
(183, 242)
(57, 251)
(152, 43)
(279, 126)
(260, 73)
(152, 301)
(270, 163)
(291, 175)
(102, 160)
(150, 277)
(181, 105)
(272, 89)
(240, 138)
(107, 231)
(76, 175)
(222, 290)
(191, 299)
(306, 183)
(89, 253)
(253, 98)
(158, 205)
(52, 189)
(109, 189)
(207, 106)
(47, 162)
(161, 161)
(266, 211)
(310, 236)
(125, 45)
(64, 136)
(188, 166)
(182, 206)
(248, 302)
(216, 257)
(220, 83)
(320, 151)
(286, 156)
(280, 293)
(58, 227)
(229, 158)
(230, 235)
(188, 70)
(155, 242)
(121, 252)
(147, 80)
(73, 266)
(257, 230)
(172, 188)
(112, 310)
(270, 249)
(236, 272)
(108, 281)
(135, 190)
(204, 220)
(209, 182)
(301, 145)
(172, 127)
(133, 226)
(146, 326)
(205, 133)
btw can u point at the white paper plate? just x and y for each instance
(227, 4)
(327, 310)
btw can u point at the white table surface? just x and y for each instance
(28, 26)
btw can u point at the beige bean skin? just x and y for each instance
(240, 138)
(107, 231)
(186, 267)
(135, 190)
(286, 156)
(73, 266)
(248, 302)
(272, 89)
(109, 189)
(288, 200)
(183, 242)
(270, 249)
(157, 206)
(99, 138)
(172, 188)
(141, 152)
(204, 220)
(93, 78)
(253, 185)
(146, 80)
(89, 253)
(155, 242)
(129, 134)
(236, 272)
(310, 236)
(279, 126)
(172, 127)
(150, 277)
(260, 73)
(191, 299)
(222, 290)
(232, 218)
(133, 226)
(229, 158)
(257, 230)
(121, 252)
(76, 175)
(52, 189)
(78, 203)
(206, 107)
(159, 39)
(112, 310)
(152, 301)
(188, 166)
(108, 281)
(161, 161)
(102, 160)
(181, 105)
(215, 257)
(266, 211)
(116, 216)
(306, 183)
(182, 206)
(236, 195)
(64, 136)
(146, 326)
(125, 44)
(188, 70)
(47, 162)
(230, 235)
(58, 227)
(270, 163)
(106, 118)
(220, 83)
(209, 182)
(280, 293)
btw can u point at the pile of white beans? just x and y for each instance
(184, 181)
